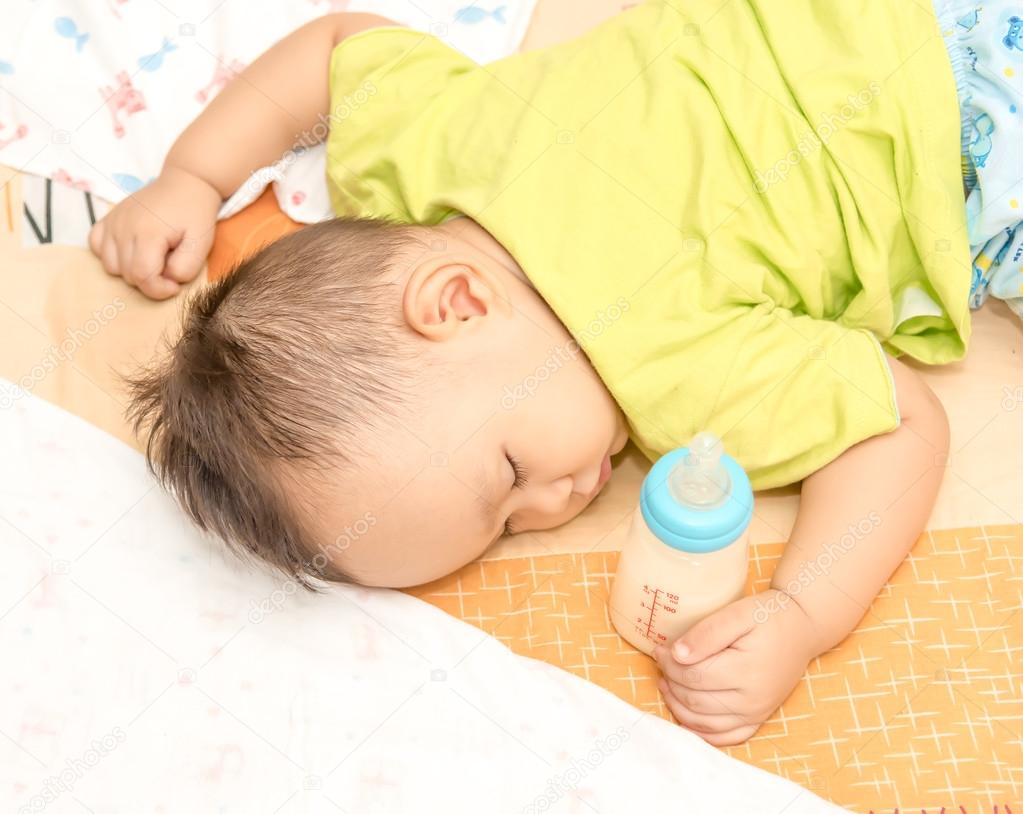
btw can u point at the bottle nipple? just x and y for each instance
(701, 479)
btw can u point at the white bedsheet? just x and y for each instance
(143, 671)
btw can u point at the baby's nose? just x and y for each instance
(555, 498)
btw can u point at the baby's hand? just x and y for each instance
(158, 238)
(742, 663)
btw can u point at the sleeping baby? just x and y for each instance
(733, 221)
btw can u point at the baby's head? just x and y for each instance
(370, 402)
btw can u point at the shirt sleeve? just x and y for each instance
(391, 89)
(787, 393)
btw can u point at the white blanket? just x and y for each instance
(94, 94)
(143, 671)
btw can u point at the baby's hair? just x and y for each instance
(281, 369)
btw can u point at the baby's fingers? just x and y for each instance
(721, 721)
(96, 237)
(719, 672)
(145, 267)
(103, 245)
(159, 287)
(188, 257)
(724, 729)
(706, 703)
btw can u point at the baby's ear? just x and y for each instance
(446, 295)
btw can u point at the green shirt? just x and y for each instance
(733, 215)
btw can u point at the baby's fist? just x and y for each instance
(732, 670)
(158, 239)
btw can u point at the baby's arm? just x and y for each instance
(861, 514)
(858, 518)
(159, 237)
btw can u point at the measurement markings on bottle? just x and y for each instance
(656, 601)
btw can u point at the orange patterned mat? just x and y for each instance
(919, 709)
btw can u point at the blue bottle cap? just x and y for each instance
(689, 527)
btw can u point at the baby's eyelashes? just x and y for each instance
(521, 478)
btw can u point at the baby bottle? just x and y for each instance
(685, 556)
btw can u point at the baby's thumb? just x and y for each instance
(712, 634)
(187, 258)
(96, 237)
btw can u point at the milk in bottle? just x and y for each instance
(686, 553)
